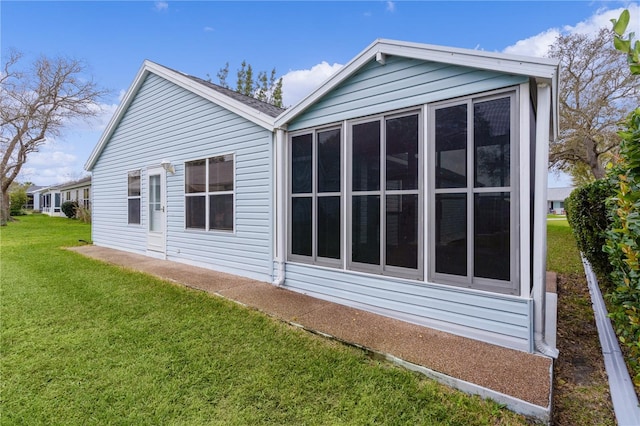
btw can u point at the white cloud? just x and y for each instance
(391, 6)
(297, 84)
(208, 29)
(538, 45)
(50, 166)
(160, 6)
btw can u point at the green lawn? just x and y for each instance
(83, 342)
(562, 254)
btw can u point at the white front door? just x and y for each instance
(157, 222)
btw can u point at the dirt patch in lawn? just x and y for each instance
(581, 390)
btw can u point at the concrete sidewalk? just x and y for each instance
(522, 381)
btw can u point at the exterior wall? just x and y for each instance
(503, 320)
(400, 83)
(77, 193)
(166, 122)
(403, 83)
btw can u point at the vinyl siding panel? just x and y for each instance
(400, 83)
(490, 317)
(165, 121)
(375, 89)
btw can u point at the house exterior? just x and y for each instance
(33, 198)
(49, 200)
(555, 199)
(78, 191)
(411, 184)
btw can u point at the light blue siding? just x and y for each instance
(375, 89)
(494, 318)
(400, 83)
(165, 121)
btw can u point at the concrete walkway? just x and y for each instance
(522, 381)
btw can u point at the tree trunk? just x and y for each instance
(4, 208)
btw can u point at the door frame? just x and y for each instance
(157, 240)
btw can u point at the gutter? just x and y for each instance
(540, 222)
(280, 191)
(623, 395)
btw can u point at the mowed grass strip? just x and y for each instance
(84, 342)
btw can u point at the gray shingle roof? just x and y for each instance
(264, 107)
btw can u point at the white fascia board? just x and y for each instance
(542, 69)
(186, 83)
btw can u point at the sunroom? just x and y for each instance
(414, 182)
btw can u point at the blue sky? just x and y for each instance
(304, 41)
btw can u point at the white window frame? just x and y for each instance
(512, 286)
(135, 172)
(208, 193)
(314, 195)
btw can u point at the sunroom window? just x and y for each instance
(316, 197)
(473, 207)
(385, 196)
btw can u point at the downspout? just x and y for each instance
(540, 221)
(280, 193)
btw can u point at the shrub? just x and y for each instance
(588, 215)
(18, 198)
(623, 243)
(83, 214)
(69, 208)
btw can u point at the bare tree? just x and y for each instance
(596, 93)
(36, 103)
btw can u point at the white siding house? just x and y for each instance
(78, 191)
(556, 198)
(412, 184)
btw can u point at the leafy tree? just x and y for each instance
(36, 103)
(596, 93)
(265, 87)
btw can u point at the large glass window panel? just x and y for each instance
(221, 173)
(491, 243)
(402, 153)
(133, 208)
(195, 176)
(195, 212)
(329, 227)
(492, 137)
(451, 234)
(451, 147)
(366, 156)
(301, 164)
(365, 227)
(329, 161)
(221, 212)
(402, 231)
(301, 226)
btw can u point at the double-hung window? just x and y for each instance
(316, 197)
(209, 193)
(133, 197)
(385, 196)
(473, 193)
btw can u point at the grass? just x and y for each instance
(581, 389)
(562, 254)
(83, 342)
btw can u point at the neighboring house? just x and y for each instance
(411, 184)
(78, 191)
(33, 198)
(555, 199)
(49, 200)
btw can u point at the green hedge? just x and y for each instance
(588, 215)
